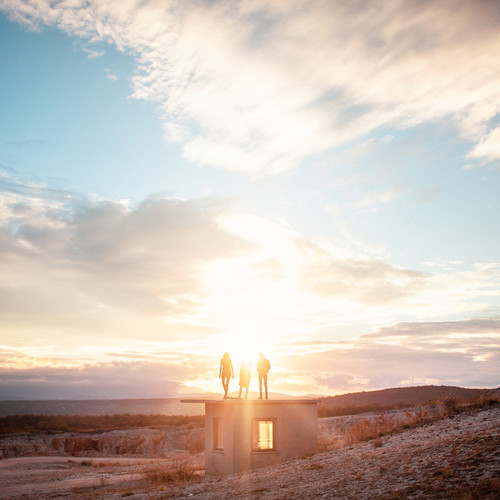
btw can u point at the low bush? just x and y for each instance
(181, 471)
(195, 443)
(451, 406)
(370, 428)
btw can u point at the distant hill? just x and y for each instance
(400, 397)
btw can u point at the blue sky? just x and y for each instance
(178, 180)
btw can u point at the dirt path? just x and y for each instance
(36, 477)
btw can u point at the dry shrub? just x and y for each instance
(484, 403)
(421, 418)
(181, 471)
(451, 406)
(369, 428)
(101, 465)
(325, 444)
(195, 442)
(375, 428)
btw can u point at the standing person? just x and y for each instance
(225, 372)
(244, 378)
(263, 366)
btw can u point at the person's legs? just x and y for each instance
(246, 393)
(260, 385)
(225, 383)
(239, 395)
(265, 384)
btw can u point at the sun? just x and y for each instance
(244, 348)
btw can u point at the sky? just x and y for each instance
(316, 181)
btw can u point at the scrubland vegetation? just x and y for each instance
(51, 424)
(180, 471)
(382, 424)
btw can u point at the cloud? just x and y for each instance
(489, 147)
(385, 196)
(112, 380)
(110, 76)
(76, 268)
(88, 283)
(358, 277)
(314, 288)
(464, 353)
(153, 259)
(93, 54)
(254, 87)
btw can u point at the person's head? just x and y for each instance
(261, 355)
(226, 355)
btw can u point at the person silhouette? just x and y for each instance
(263, 366)
(244, 378)
(225, 372)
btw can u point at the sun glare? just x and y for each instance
(246, 348)
(253, 313)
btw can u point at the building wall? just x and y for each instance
(219, 462)
(295, 433)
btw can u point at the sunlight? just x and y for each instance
(252, 309)
(246, 346)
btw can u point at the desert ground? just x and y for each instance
(455, 457)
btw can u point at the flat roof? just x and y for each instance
(251, 401)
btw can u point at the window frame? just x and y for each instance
(218, 434)
(255, 439)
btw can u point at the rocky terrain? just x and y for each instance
(455, 457)
(153, 443)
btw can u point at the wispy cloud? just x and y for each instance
(257, 87)
(111, 76)
(489, 146)
(382, 197)
(92, 53)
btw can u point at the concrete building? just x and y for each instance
(243, 434)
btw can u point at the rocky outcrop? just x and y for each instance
(136, 442)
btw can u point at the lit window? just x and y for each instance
(218, 434)
(263, 435)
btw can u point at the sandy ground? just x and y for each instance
(456, 457)
(39, 476)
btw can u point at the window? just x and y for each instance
(218, 434)
(263, 435)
